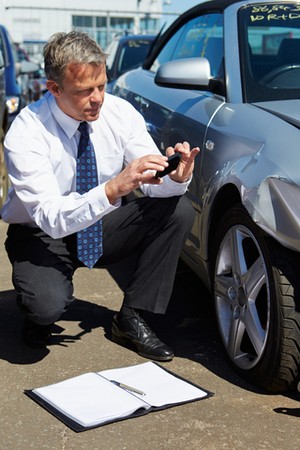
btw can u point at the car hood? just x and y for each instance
(288, 110)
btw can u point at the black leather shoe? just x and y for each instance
(133, 332)
(36, 336)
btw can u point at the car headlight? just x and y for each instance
(12, 104)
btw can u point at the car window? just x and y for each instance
(270, 51)
(167, 52)
(111, 51)
(133, 54)
(200, 37)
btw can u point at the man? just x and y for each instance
(57, 221)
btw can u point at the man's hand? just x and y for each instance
(186, 165)
(138, 172)
(143, 170)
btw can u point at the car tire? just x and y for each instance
(3, 172)
(256, 291)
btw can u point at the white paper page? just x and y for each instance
(90, 399)
(161, 388)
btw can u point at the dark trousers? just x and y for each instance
(153, 229)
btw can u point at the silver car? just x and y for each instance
(226, 77)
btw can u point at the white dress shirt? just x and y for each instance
(41, 150)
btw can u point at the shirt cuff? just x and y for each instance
(99, 202)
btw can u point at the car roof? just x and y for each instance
(218, 4)
(215, 5)
(209, 5)
(135, 37)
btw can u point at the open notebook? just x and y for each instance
(97, 398)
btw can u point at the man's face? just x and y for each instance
(81, 93)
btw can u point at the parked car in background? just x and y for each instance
(226, 77)
(42, 80)
(126, 52)
(37, 84)
(16, 76)
(37, 79)
(3, 126)
(22, 54)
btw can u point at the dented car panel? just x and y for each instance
(252, 160)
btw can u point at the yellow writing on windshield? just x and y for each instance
(275, 12)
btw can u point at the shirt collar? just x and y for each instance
(67, 123)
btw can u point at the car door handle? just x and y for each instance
(144, 105)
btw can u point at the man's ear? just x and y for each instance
(53, 88)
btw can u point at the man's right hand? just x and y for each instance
(138, 172)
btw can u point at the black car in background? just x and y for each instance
(124, 53)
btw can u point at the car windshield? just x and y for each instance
(269, 37)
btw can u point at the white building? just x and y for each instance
(32, 22)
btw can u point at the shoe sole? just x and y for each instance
(130, 345)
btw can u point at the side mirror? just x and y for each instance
(189, 73)
(28, 67)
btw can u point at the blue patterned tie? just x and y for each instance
(89, 240)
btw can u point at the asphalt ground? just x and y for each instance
(238, 416)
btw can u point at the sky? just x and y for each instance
(181, 5)
(178, 6)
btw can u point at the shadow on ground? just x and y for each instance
(13, 350)
(189, 326)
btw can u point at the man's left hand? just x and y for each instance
(186, 165)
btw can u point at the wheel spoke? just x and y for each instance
(254, 279)
(239, 265)
(222, 286)
(253, 283)
(236, 333)
(254, 329)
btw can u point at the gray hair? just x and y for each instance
(75, 47)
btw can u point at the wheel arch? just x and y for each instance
(227, 197)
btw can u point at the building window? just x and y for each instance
(89, 22)
(102, 29)
(120, 24)
(149, 25)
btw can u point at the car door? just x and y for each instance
(176, 115)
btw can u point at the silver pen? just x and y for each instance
(128, 388)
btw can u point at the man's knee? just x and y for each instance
(41, 308)
(184, 213)
(186, 208)
(44, 299)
